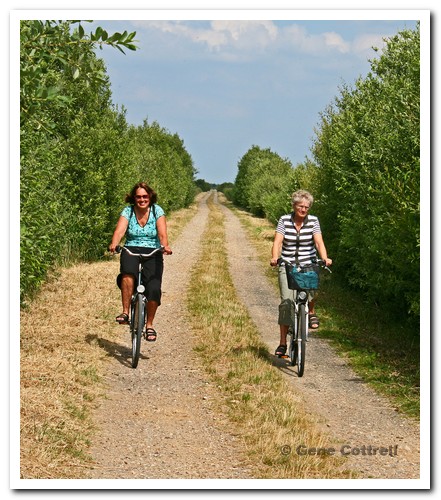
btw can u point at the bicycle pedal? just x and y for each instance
(284, 356)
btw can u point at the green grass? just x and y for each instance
(384, 351)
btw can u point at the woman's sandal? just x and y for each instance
(150, 334)
(314, 322)
(123, 319)
(281, 350)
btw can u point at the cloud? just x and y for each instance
(335, 41)
(297, 38)
(362, 45)
(237, 39)
(247, 34)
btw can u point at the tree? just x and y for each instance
(367, 151)
(67, 129)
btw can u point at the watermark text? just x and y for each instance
(344, 450)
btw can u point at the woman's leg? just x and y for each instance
(152, 306)
(313, 320)
(286, 306)
(127, 287)
(283, 334)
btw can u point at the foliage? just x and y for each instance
(50, 56)
(78, 155)
(227, 188)
(162, 160)
(264, 183)
(204, 186)
(367, 152)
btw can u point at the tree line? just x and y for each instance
(78, 154)
(364, 173)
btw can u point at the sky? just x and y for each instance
(224, 82)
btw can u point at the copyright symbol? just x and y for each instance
(285, 449)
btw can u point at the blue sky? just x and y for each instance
(226, 85)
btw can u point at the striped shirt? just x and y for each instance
(298, 246)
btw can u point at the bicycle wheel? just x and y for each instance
(301, 340)
(292, 348)
(137, 327)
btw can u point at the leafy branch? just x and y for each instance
(52, 53)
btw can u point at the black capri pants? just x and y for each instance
(152, 271)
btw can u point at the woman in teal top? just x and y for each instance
(145, 227)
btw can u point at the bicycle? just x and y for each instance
(138, 304)
(302, 280)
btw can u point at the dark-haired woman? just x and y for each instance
(144, 224)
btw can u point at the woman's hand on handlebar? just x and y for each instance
(274, 262)
(112, 247)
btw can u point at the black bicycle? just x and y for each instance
(138, 304)
(302, 280)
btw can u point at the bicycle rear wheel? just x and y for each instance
(137, 327)
(300, 342)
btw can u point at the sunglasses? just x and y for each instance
(142, 197)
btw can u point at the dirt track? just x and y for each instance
(161, 420)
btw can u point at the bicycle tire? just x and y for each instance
(137, 328)
(292, 346)
(301, 341)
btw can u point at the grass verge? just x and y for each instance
(384, 352)
(260, 402)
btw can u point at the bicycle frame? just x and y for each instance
(138, 305)
(299, 330)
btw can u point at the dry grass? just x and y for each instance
(62, 362)
(60, 366)
(269, 414)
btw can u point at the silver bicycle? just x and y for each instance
(298, 330)
(138, 304)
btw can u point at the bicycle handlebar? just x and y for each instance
(320, 262)
(119, 249)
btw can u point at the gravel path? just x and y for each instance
(162, 420)
(159, 421)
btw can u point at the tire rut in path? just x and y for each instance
(350, 411)
(158, 421)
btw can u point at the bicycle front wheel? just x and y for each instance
(292, 346)
(301, 340)
(137, 327)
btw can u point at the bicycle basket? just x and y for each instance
(305, 279)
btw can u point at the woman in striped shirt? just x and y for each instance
(298, 238)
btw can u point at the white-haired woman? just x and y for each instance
(298, 238)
